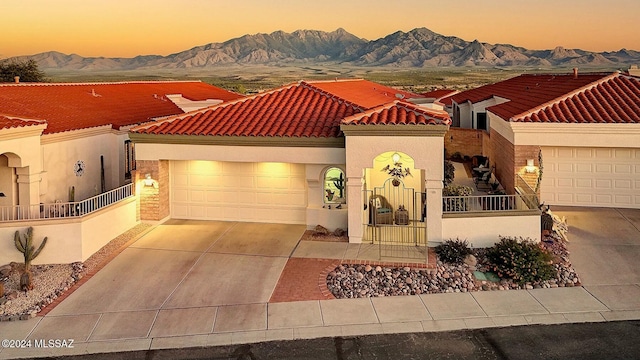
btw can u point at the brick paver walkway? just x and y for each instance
(304, 279)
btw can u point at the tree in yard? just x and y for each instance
(28, 71)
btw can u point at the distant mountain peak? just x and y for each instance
(419, 47)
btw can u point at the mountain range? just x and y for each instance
(419, 47)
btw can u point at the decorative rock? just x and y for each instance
(470, 260)
(339, 232)
(408, 281)
(321, 230)
(368, 268)
(378, 268)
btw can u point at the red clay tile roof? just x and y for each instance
(614, 99)
(8, 122)
(526, 92)
(78, 106)
(363, 93)
(399, 113)
(297, 110)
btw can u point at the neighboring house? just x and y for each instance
(440, 99)
(309, 153)
(78, 125)
(66, 142)
(584, 127)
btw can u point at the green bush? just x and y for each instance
(453, 251)
(449, 172)
(456, 204)
(457, 190)
(521, 260)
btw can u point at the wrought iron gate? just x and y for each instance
(395, 221)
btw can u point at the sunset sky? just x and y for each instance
(115, 28)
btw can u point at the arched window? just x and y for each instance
(335, 191)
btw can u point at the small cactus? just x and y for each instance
(26, 281)
(24, 244)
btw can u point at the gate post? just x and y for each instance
(433, 188)
(354, 205)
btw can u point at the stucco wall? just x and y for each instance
(298, 155)
(426, 151)
(317, 214)
(483, 231)
(60, 156)
(70, 240)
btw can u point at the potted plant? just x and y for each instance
(397, 172)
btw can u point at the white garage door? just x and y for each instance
(256, 192)
(606, 177)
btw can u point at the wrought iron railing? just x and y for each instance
(497, 203)
(523, 187)
(59, 210)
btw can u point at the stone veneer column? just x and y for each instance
(154, 200)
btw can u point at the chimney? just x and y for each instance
(16, 79)
(575, 73)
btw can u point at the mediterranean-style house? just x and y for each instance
(579, 134)
(348, 154)
(342, 154)
(65, 153)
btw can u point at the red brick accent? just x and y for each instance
(302, 279)
(306, 279)
(465, 141)
(522, 154)
(154, 201)
(510, 160)
(502, 157)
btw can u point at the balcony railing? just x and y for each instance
(59, 210)
(462, 204)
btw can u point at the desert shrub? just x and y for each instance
(453, 251)
(457, 190)
(456, 204)
(449, 172)
(521, 260)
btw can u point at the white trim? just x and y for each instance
(22, 132)
(76, 134)
(300, 155)
(577, 135)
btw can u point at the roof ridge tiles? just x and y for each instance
(331, 95)
(565, 96)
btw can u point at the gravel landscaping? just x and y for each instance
(51, 281)
(358, 281)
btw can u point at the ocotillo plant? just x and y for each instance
(24, 244)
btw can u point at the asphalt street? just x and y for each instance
(610, 340)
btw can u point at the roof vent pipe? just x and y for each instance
(16, 79)
(575, 73)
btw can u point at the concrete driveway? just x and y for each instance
(605, 251)
(177, 279)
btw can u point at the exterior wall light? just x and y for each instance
(395, 157)
(530, 168)
(149, 182)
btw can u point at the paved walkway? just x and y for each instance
(190, 283)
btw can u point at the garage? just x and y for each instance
(585, 176)
(238, 191)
